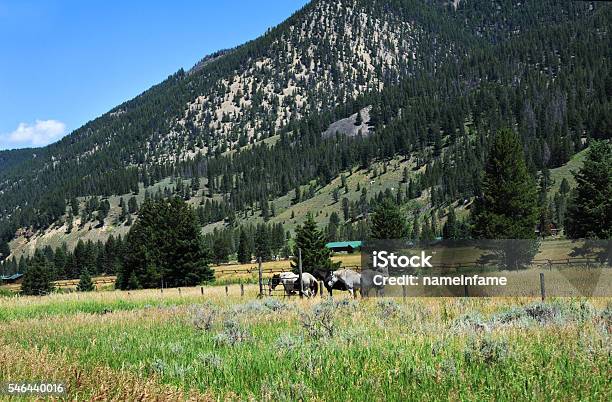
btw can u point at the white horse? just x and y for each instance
(310, 284)
(351, 279)
(287, 279)
(290, 282)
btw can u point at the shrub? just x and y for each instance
(203, 318)
(486, 350)
(321, 321)
(210, 360)
(275, 305)
(288, 342)
(470, 322)
(233, 333)
(388, 308)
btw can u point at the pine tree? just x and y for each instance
(589, 214)
(85, 282)
(37, 280)
(345, 209)
(564, 188)
(244, 248)
(507, 208)
(359, 119)
(132, 205)
(450, 230)
(311, 241)
(262, 244)
(388, 222)
(165, 243)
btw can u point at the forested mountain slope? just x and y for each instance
(436, 79)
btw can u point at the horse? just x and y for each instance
(351, 279)
(287, 279)
(367, 282)
(325, 276)
(290, 282)
(310, 284)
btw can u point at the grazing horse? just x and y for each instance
(287, 279)
(367, 282)
(325, 276)
(351, 279)
(310, 284)
(290, 283)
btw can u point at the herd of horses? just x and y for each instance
(342, 280)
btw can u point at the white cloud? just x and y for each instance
(42, 132)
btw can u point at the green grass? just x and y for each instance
(565, 171)
(421, 350)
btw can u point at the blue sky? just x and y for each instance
(63, 63)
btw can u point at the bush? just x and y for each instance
(486, 350)
(210, 360)
(203, 317)
(321, 321)
(545, 313)
(233, 333)
(388, 308)
(471, 322)
(289, 343)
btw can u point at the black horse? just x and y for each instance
(325, 276)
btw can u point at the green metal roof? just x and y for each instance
(344, 244)
(10, 277)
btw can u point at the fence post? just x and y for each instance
(202, 290)
(466, 293)
(179, 289)
(542, 288)
(242, 290)
(300, 272)
(226, 290)
(404, 292)
(260, 277)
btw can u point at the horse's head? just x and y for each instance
(333, 278)
(273, 282)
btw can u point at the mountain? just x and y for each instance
(430, 81)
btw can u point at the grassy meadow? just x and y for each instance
(146, 345)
